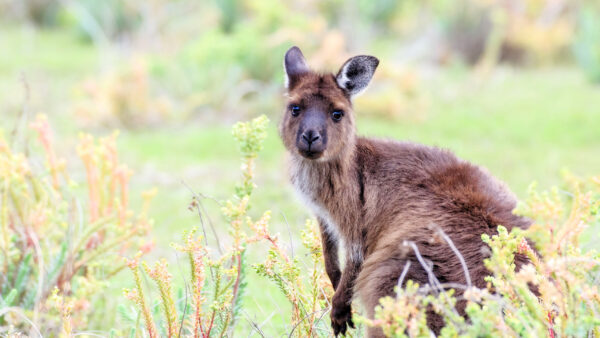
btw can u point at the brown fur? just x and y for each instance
(372, 195)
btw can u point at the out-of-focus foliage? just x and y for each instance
(563, 274)
(587, 41)
(223, 58)
(58, 251)
(125, 98)
(488, 31)
(90, 19)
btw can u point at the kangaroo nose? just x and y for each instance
(310, 136)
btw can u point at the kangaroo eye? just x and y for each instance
(295, 110)
(337, 115)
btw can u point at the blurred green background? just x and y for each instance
(512, 85)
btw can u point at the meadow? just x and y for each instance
(533, 122)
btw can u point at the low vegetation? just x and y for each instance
(59, 250)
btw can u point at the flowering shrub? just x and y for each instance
(565, 276)
(307, 291)
(58, 251)
(217, 280)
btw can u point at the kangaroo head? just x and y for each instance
(319, 123)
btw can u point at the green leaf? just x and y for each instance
(127, 315)
(10, 298)
(57, 263)
(24, 269)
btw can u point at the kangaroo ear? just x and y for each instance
(294, 65)
(356, 73)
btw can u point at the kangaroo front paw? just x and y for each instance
(341, 317)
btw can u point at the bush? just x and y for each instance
(58, 250)
(308, 290)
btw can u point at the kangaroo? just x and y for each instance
(370, 196)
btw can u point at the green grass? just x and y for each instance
(55, 52)
(522, 125)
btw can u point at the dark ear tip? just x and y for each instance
(366, 59)
(293, 49)
(373, 60)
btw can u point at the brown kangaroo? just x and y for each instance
(370, 196)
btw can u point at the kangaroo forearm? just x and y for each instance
(330, 256)
(333, 270)
(341, 303)
(345, 289)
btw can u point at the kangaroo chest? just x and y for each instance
(309, 190)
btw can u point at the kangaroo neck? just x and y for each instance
(325, 179)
